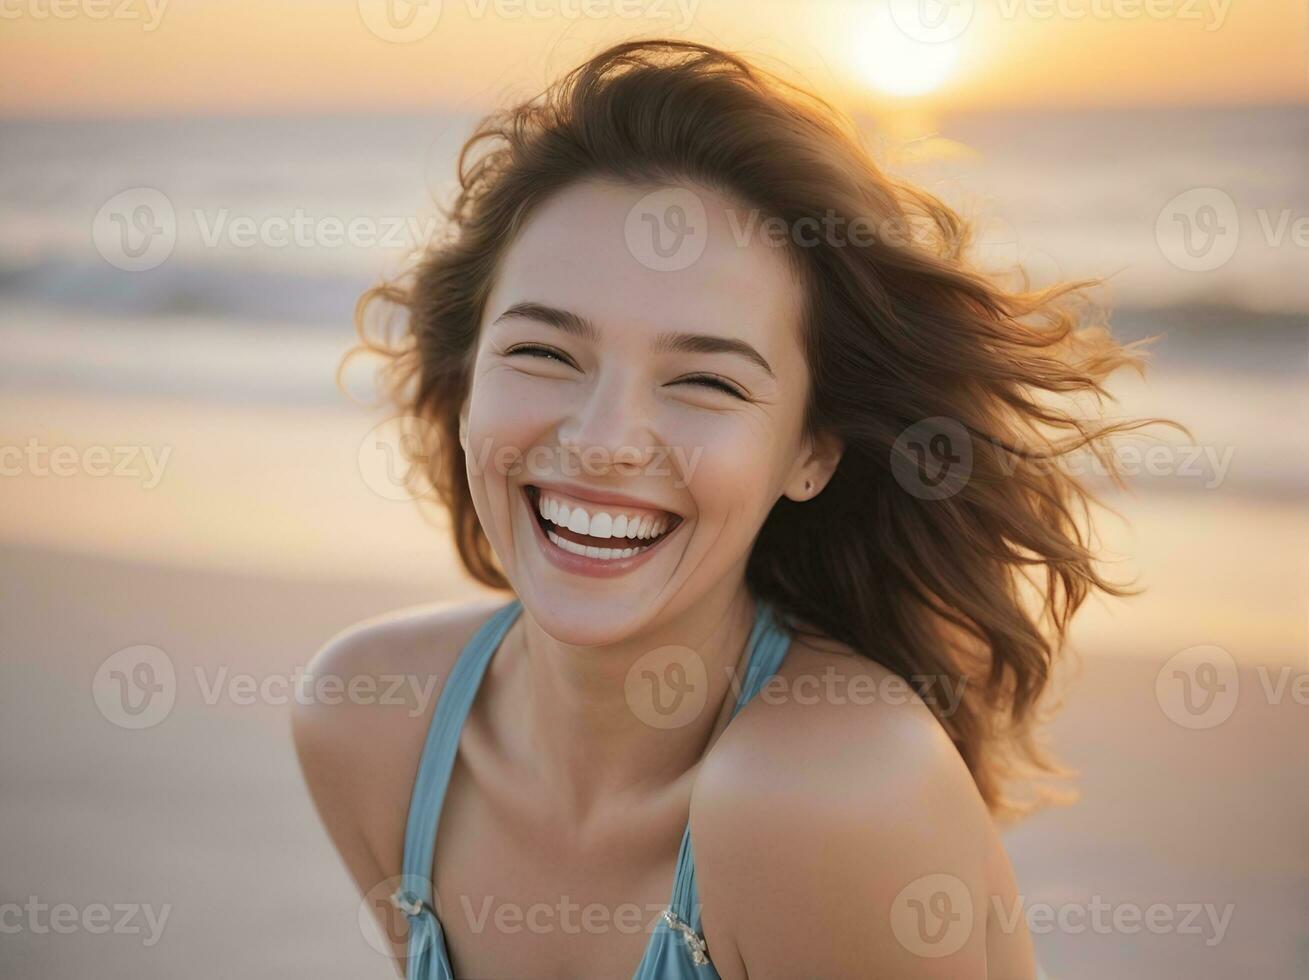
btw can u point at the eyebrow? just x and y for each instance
(666, 342)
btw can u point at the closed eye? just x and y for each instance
(710, 381)
(702, 380)
(537, 350)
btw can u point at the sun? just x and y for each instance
(888, 58)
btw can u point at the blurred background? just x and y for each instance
(193, 195)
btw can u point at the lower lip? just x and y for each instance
(582, 565)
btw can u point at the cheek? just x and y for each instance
(507, 415)
(503, 426)
(727, 465)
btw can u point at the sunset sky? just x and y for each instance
(207, 56)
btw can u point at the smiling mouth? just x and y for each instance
(603, 547)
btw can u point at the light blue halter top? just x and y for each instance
(676, 950)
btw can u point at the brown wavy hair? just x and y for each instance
(977, 586)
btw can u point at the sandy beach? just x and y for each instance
(204, 813)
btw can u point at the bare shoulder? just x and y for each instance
(837, 804)
(361, 719)
(842, 719)
(405, 638)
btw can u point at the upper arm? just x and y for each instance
(843, 841)
(359, 725)
(337, 754)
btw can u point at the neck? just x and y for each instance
(594, 733)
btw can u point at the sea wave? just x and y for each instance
(227, 291)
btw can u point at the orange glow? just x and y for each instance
(294, 55)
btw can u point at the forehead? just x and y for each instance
(591, 249)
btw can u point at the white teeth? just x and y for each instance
(604, 554)
(600, 524)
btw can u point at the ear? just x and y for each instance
(815, 467)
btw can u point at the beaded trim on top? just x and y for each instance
(694, 942)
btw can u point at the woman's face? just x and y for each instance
(640, 385)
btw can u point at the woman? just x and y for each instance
(748, 440)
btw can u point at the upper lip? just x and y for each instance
(602, 496)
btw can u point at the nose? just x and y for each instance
(611, 430)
